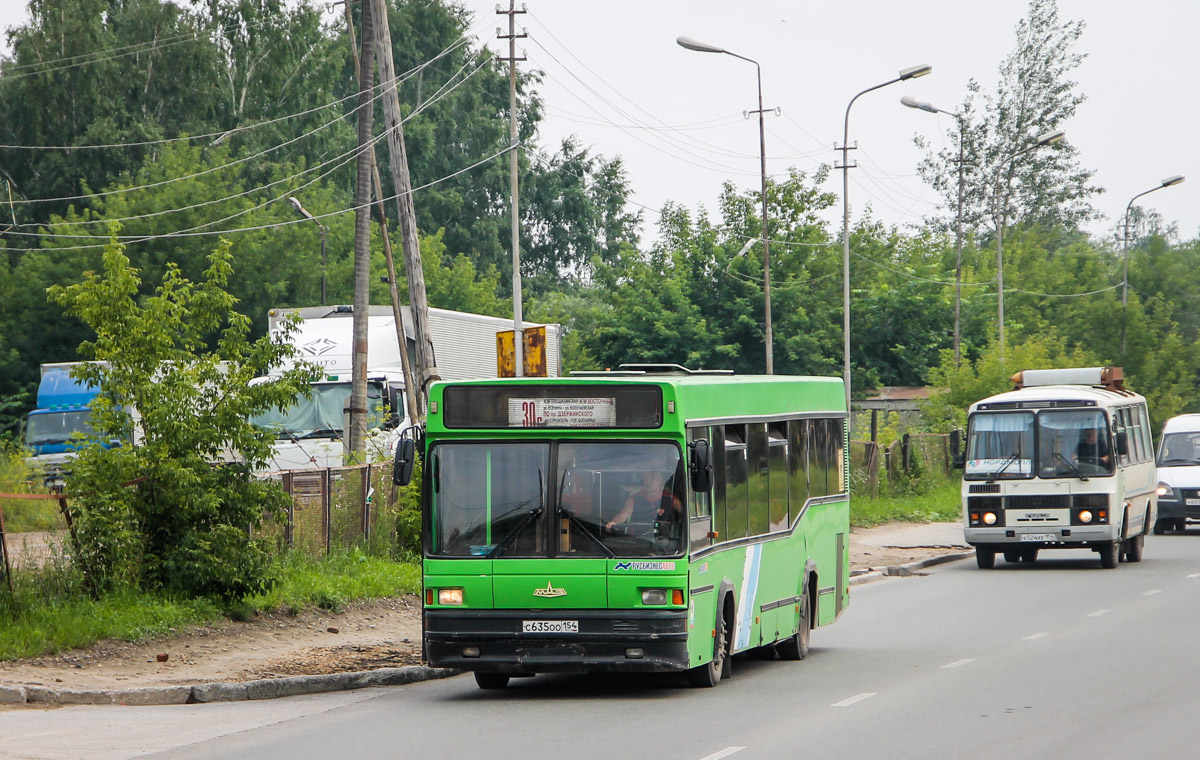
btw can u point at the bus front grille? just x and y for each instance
(1039, 501)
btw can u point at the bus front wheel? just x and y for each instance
(1110, 554)
(709, 675)
(985, 557)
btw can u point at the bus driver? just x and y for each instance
(650, 504)
(1092, 449)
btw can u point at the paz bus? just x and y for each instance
(1064, 461)
(642, 520)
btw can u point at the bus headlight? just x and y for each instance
(989, 518)
(654, 596)
(1085, 516)
(450, 596)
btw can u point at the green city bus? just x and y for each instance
(647, 519)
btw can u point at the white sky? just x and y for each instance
(613, 69)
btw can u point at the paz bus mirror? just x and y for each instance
(956, 454)
(402, 467)
(1123, 444)
(700, 466)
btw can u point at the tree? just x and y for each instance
(1034, 96)
(172, 512)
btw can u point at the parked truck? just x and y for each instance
(60, 424)
(309, 434)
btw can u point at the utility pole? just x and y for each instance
(426, 369)
(410, 394)
(362, 242)
(518, 319)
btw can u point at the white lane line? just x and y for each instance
(958, 663)
(723, 753)
(1098, 613)
(1152, 592)
(1194, 575)
(855, 698)
(1041, 635)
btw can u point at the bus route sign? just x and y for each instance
(562, 413)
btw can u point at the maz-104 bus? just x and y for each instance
(649, 519)
(1065, 461)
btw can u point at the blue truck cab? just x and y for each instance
(60, 423)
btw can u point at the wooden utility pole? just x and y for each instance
(362, 241)
(426, 368)
(410, 395)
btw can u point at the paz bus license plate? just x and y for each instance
(1039, 537)
(549, 626)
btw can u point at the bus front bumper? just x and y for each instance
(492, 641)
(1061, 536)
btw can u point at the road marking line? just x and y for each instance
(1041, 635)
(1098, 613)
(723, 753)
(1152, 592)
(855, 698)
(958, 663)
(1194, 575)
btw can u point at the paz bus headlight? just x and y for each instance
(1085, 516)
(989, 518)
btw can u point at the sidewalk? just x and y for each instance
(276, 655)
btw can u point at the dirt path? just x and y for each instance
(380, 633)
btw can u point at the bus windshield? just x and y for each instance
(1073, 443)
(1000, 445)
(619, 499)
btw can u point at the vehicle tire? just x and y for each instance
(491, 680)
(1029, 554)
(1160, 527)
(1110, 554)
(1181, 525)
(709, 674)
(796, 647)
(985, 557)
(1012, 556)
(1134, 548)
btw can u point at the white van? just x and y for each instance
(1178, 473)
(1064, 461)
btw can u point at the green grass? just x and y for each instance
(940, 503)
(26, 515)
(50, 611)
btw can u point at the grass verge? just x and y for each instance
(330, 582)
(940, 503)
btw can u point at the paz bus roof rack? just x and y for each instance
(650, 369)
(1111, 378)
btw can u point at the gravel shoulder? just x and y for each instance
(381, 633)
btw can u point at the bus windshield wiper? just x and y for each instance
(584, 530)
(1000, 471)
(499, 548)
(1072, 467)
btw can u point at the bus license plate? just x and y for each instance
(549, 626)
(1039, 537)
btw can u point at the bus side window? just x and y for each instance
(758, 480)
(699, 504)
(838, 469)
(777, 468)
(1147, 436)
(736, 487)
(818, 460)
(1121, 428)
(797, 466)
(718, 454)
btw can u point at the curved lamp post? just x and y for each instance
(704, 47)
(912, 102)
(911, 72)
(324, 235)
(1044, 139)
(1168, 182)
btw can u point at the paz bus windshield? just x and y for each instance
(1061, 443)
(602, 499)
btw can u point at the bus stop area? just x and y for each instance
(367, 644)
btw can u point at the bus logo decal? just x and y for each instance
(644, 566)
(550, 591)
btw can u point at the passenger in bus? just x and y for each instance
(652, 503)
(1092, 449)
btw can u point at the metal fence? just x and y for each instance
(922, 452)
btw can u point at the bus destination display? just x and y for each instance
(562, 412)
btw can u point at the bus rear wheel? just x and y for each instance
(1134, 547)
(709, 675)
(985, 557)
(491, 680)
(796, 647)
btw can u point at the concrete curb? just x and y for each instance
(910, 568)
(266, 688)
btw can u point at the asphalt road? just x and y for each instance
(1057, 660)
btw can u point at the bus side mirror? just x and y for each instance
(700, 466)
(956, 453)
(1123, 444)
(402, 467)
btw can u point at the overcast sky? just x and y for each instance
(615, 77)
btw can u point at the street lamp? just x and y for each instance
(324, 235)
(704, 47)
(1045, 139)
(912, 72)
(1168, 182)
(912, 102)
